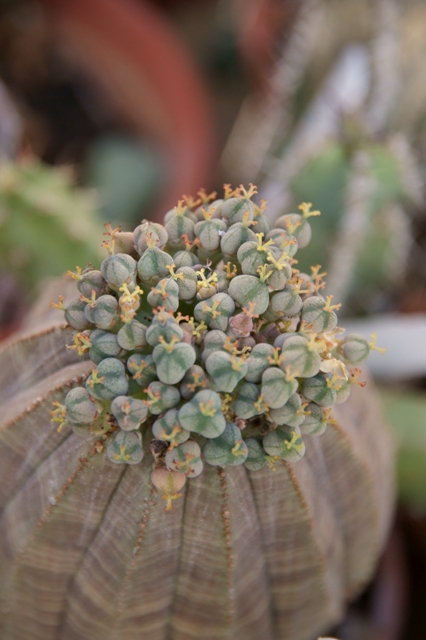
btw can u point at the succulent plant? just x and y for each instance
(233, 346)
(183, 466)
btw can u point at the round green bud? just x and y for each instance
(152, 265)
(203, 414)
(236, 235)
(245, 405)
(277, 387)
(187, 283)
(225, 370)
(228, 448)
(318, 389)
(168, 429)
(194, 380)
(163, 326)
(129, 412)
(260, 359)
(315, 311)
(173, 360)
(300, 228)
(161, 397)
(185, 259)
(249, 289)
(300, 358)
(290, 414)
(80, 409)
(185, 458)
(236, 209)
(354, 348)
(284, 241)
(132, 335)
(286, 302)
(210, 233)
(212, 341)
(142, 368)
(251, 257)
(118, 269)
(91, 280)
(103, 312)
(76, 316)
(126, 448)
(286, 443)
(151, 232)
(103, 345)
(178, 226)
(108, 380)
(164, 294)
(256, 456)
(215, 311)
(314, 423)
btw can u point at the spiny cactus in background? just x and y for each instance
(205, 334)
(39, 205)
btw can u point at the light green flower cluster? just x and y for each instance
(208, 340)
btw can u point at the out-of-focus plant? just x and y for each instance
(47, 224)
(330, 132)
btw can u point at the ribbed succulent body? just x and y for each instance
(162, 500)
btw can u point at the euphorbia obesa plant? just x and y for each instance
(164, 499)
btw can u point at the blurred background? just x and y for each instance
(111, 110)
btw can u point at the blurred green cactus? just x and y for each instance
(208, 336)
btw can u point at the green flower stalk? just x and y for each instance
(208, 341)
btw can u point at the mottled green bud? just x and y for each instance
(142, 368)
(108, 380)
(300, 357)
(291, 413)
(298, 226)
(260, 359)
(247, 403)
(343, 391)
(314, 423)
(126, 448)
(256, 456)
(129, 412)
(286, 443)
(80, 409)
(228, 448)
(210, 232)
(118, 269)
(236, 235)
(89, 281)
(237, 209)
(164, 294)
(249, 289)
(187, 283)
(318, 312)
(215, 311)
(75, 315)
(354, 348)
(277, 387)
(254, 255)
(203, 414)
(152, 265)
(168, 429)
(283, 337)
(194, 380)
(163, 326)
(213, 341)
(320, 390)
(177, 226)
(103, 345)
(103, 312)
(185, 259)
(185, 458)
(132, 336)
(225, 370)
(161, 397)
(173, 360)
(284, 241)
(286, 302)
(149, 232)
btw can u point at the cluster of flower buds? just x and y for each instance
(208, 341)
